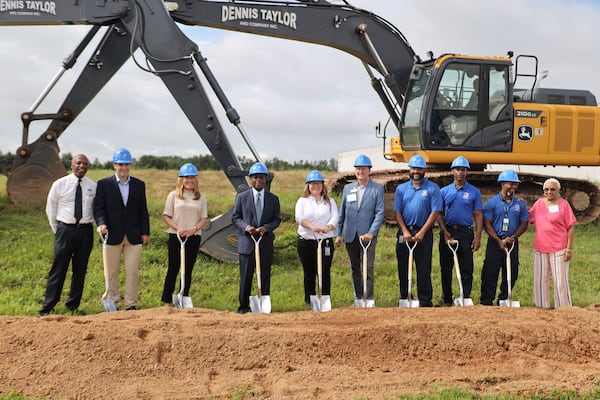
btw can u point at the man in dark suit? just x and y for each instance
(256, 212)
(120, 210)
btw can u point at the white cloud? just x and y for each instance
(296, 100)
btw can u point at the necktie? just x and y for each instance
(78, 202)
(259, 208)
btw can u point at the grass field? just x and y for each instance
(26, 245)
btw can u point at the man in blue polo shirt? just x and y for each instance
(505, 218)
(417, 206)
(462, 210)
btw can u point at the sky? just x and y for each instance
(296, 101)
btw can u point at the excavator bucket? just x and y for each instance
(219, 238)
(32, 174)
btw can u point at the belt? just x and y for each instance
(460, 227)
(313, 240)
(76, 226)
(414, 227)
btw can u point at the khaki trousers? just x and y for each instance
(132, 257)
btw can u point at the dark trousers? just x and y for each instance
(422, 259)
(71, 244)
(307, 251)
(192, 246)
(495, 260)
(355, 254)
(465, 236)
(247, 267)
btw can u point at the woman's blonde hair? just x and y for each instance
(179, 187)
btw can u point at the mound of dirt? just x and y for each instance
(165, 353)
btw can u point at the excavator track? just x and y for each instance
(582, 195)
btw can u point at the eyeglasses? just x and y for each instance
(549, 189)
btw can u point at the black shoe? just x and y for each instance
(131, 308)
(243, 310)
(43, 313)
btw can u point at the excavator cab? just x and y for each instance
(456, 103)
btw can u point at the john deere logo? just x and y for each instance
(525, 133)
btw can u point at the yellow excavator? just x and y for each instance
(442, 107)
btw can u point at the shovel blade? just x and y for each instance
(509, 303)
(405, 303)
(178, 300)
(108, 304)
(463, 302)
(320, 305)
(186, 302)
(260, 304)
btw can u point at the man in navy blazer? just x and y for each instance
(120, 210)
(245, 217)
(360, 217)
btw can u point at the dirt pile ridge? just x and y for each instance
(165, 353)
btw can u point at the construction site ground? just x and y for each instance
(349, 353)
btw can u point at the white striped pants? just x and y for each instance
(545, 264)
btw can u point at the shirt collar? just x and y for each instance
(119, 181)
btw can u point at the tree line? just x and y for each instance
(202, 162)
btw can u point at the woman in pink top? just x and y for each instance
(552, 246)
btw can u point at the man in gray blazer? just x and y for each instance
(248, 204)
(360, 217)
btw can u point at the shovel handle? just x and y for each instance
(320, 266)
(365, 247)
(453, 245)
(182, 262)
(103, 237)
(411, 248)
(257, 262)
(509, 271)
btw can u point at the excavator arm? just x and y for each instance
(370, 38)
(170, 55)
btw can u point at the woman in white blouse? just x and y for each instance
(316, 215)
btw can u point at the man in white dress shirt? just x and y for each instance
(70, 215)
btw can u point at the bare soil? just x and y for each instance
(349, 353)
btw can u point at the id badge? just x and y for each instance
(351, 198)
(505, 224)
(327, 251)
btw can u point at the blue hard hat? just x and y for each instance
(188, 169)
(417, 161)
(508, 175)
(314, 176)
(460, 161)
(122, 156)
(363, 161)
(258, 168)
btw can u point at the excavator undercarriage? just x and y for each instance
(583, 195)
